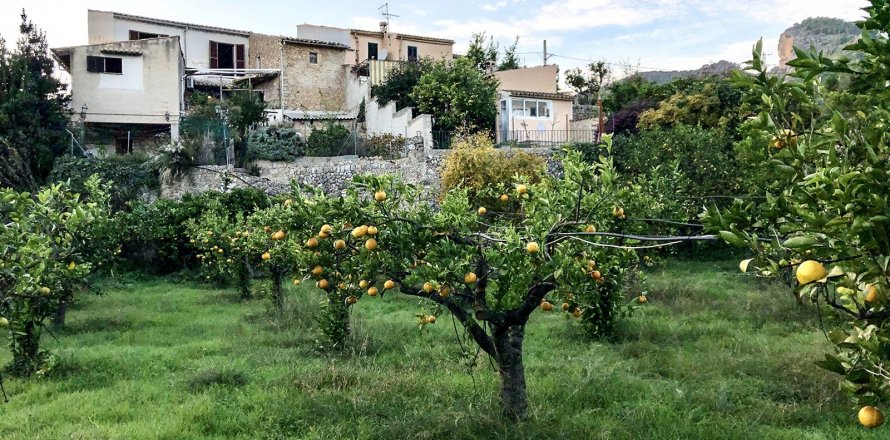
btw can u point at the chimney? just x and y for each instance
(384, 26)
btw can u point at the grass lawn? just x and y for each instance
(713, 356)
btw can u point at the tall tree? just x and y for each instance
(458, 95)
(483, 51)
(33, 110)
(510, 60)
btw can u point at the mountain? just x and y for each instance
(720, 68)
(828, 35)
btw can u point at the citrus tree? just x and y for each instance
(224, 255)
(540, 246)
(44, 258)
(830, 222)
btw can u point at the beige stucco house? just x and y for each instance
(126, 92)
(381, 44)
(531, 108)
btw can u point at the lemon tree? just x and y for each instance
(44, 258)
(539, 245)
(830, 223)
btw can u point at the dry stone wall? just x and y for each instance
(331, 174)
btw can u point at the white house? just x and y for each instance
(126, 92)
(203, 47)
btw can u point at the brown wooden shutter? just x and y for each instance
(239, 56)
(214, 55)
(134, 35)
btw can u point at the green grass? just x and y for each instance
(713, 356)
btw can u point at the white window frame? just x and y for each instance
(525, 104)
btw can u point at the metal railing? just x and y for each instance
(442, 139)
(545, 138)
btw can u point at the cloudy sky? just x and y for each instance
(651, 34)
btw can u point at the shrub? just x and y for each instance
(703, 156)
(128, 177)
(475, 164)
(330, 140)
(276, 143)
(157, 231)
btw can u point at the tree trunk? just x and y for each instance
(59, 314)
(508, 343)
(243, 280)
(277, 293)
(25, 347)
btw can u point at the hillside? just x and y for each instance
(720, 68)
(828, 35)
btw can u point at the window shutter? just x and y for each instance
(134, 35)
(214, 55)
(239, 56)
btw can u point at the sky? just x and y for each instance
(642, 34)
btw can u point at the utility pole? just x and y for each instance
(545, 52)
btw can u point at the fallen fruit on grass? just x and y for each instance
(871, 417)
(373, 291)
(431, 319)
(642, 299)
(546, 306)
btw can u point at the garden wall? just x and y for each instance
(331, 174)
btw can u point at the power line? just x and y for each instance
(549, 55)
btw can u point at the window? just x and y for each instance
(139, 35)
(372, 51)
(530, 108)
(226, 56)
(104, 65)
(313, 57)
(412, 53)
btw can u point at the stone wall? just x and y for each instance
(307, 86)
(331, 174)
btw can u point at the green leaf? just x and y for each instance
(800, 242)
(733, 239)
(832, 364)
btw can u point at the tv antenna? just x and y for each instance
(386, 13)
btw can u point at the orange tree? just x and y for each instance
(222, 247)
(43, 259)
(540, 245)
(831, 219)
